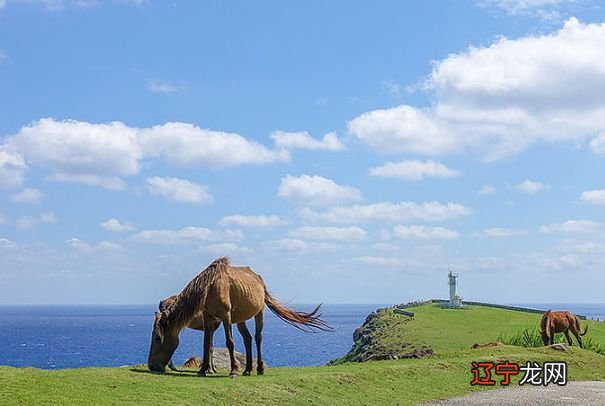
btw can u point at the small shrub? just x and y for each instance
(592, 345)
(529, 338)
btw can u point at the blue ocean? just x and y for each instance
(53, 337)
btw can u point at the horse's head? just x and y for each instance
(164, 342)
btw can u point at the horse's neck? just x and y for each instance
(189, 302)
(181, 313)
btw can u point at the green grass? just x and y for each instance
(473, 324)
(388, 382)
(532, 339)
(411, 381)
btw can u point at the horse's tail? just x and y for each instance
(545, 322)
(578, 326)
(301, 320)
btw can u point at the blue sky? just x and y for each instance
(349, 152)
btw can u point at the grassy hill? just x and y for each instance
(407, 381)
(446, 330)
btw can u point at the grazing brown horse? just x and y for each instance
(560, 322)
(223, 294)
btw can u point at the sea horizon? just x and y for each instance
(315, 304)
(112, 335)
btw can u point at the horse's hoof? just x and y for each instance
(201, 374)
(246, 373)
(260, 372)
(233, 375)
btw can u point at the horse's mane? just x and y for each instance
(193, 296)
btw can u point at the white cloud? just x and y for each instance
(402, 129)
(297, 246)
(6, 243)
(414, 170)
(582, 247)
(287, 244)
(531, 187)
(28, 196)
(498, 100)
(88, 248)
(424, 233)
(316, 190)
(388, 212)
(303, 140)
(187, 144)
(58, 5)
(12, 169)
(28, 222)
(103, 154)
(178, 190)
(187, 234)
(165, 87)
(96, 154)
(252, 221)
(387, 262)
(487, 190)
(572, 226)
(329, 233)
(53, 5)
(598, 144)
(542, 8)
(114, 224)
(500, 232)
(596, 196)
(223, 249)
(385, 246)
(392, 88)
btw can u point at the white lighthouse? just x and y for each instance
(455, 300)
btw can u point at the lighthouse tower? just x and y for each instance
(455, 300)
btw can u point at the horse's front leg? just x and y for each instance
(213, 328)
(171, 366)
(230, 345)
(208, 336)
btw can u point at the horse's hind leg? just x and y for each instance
(258, 337)
(566, 332)
(243, 329)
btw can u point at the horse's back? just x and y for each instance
(246, 293)
(562, 320)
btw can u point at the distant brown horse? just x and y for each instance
(560, 322)
(223, 294)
